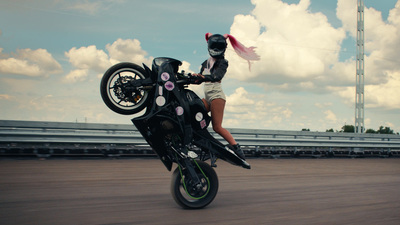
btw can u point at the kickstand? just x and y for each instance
(213, 159)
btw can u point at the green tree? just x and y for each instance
(385, 130)
(370, 131)
(348, 129)
(330, 130)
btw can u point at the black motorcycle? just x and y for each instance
(174, 124)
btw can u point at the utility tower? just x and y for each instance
(359, 112)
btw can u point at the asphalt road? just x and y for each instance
(137, 191)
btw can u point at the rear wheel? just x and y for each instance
(189, 195)
(119, 92)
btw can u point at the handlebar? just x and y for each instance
(188, 78)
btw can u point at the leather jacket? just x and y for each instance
(217, 72)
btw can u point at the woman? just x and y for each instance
(211, 73)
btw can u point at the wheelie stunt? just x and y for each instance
(174, 123)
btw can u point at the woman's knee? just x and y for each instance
(218, 129)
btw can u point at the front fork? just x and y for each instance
(186, 162)
(191, 172)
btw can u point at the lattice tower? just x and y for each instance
(359, 112)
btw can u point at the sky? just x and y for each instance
(54, 52)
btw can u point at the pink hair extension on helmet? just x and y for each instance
(244, 52)
(208, 35)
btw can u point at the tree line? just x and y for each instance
(351, 129)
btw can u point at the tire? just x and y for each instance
(194, 199)
(115, 94)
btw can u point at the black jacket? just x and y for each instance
(217, 72)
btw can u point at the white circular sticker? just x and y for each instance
(160, 101)
(179, 111)
(199, 116)
(165, 76)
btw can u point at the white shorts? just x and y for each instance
(213, 91)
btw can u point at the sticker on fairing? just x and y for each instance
(199, 116)
(169, 86)
(160, 101)
(203, 124)
(165, 76)
(160, 90)
(179, 111)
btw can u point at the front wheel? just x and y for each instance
(118, 88)
(189, 195)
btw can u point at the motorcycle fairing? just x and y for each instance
(190, 121)
(151, 123)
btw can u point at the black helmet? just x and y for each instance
(216, 45)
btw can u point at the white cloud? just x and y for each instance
(299, 50)
(128, 50)
(386, 95)
(76, 75)
(295, 45)
(89, 58)
(28, 62)
(330, 116)
(86, 60)
(249, 110)
(240, 98)
(382, 47)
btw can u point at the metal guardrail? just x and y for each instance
(77, 139)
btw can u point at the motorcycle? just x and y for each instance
(174, 124)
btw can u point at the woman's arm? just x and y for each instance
(218, 71)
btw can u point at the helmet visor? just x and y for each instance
(217, 46)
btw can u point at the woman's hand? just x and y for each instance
(199, 77)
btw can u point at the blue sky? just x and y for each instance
(53, 52)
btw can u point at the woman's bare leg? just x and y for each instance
(206, 105)
(217, 114)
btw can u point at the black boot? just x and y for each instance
(236, 148)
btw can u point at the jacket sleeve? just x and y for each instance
(203, 65)
(218, 72)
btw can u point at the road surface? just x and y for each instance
(137, 191)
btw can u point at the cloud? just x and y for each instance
(76, 76)
(330, 116)
(295, 44)
(242, 95)
(30, 63)
(382, 47)
(88, 58)
(386, 95)
(5, 97)
(255, 109)
(128, 50)
(300, 50)
(382, 38)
